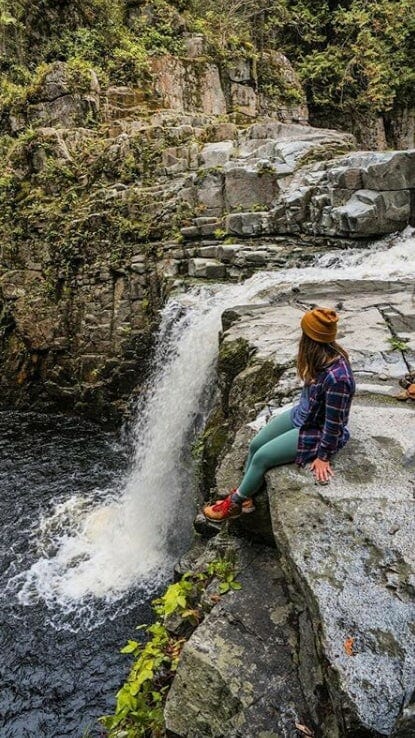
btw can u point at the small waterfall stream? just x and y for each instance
(94, 552)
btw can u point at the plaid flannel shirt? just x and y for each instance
(324, 431)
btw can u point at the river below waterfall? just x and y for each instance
(56, 677)
(92, 522)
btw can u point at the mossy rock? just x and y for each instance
(232, 359)
(211, 445)
(250, 386)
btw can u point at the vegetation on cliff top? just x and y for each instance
(351, 54)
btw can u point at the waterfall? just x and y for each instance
(102, 549)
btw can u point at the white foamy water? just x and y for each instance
(103, 551)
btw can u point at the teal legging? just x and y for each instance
(274, 445)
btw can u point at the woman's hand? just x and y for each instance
(322, 470)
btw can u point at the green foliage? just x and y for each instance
(98, 34)
(140, 701)
(225, 25)
(398, 344)
(139, 709)
(63, 198)
(356, 56)
(353, 56)
(219, 233)
(274, 85)
(175, 598)
(363, 60)
(223, 570)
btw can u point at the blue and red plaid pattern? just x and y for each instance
(324, 431)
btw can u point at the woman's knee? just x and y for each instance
(254, 446)
(260, 461)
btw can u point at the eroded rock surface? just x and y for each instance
(113, 194)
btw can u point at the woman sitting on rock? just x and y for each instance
(314, 429)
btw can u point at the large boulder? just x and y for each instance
(361, 195)
(247, 187)
(370, 212)
(347, 547)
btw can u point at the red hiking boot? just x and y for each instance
(247, 504)
(223, 510)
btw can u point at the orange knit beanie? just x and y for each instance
(320, 324)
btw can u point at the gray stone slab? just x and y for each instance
(216, 154)
(273, 331)
(207, 268)
(246, 187)
(249, 224)
(349, 548)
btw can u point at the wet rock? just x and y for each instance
(208, 268)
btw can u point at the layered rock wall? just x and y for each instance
(107, 201)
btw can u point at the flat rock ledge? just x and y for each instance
(343, 565)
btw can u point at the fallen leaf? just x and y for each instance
(304, 730)
(348, 646)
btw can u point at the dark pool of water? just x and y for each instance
(55, 682)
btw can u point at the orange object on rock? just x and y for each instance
(348, 646)
(408, 394)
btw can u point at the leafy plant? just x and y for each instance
(398, 344)
(225, 572)
(140, 701)
(219, 233)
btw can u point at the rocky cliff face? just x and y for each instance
(322, 635)
(106, 201)
(95, 186)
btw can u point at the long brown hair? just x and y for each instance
(313, 356)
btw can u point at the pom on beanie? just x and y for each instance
(320, 324)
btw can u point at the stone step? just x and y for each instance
(207, 268)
